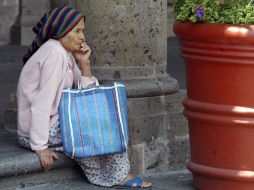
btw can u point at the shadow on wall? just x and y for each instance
(175, 63)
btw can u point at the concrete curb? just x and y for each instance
(28, 162)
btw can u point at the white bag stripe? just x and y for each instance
(119, 114)
(71, 128)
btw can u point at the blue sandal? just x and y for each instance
(133, 183)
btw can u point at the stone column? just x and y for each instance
(129, 43)
(128, 39)
(31, 12)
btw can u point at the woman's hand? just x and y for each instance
(47, 158)
(82, 57)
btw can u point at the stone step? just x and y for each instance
(35, 178)
(20, 170)
(23, 162)
(19, 166)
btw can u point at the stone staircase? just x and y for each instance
(20, 167)
(20, 170)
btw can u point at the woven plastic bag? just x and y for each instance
(94, 121)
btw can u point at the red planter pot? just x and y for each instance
(220, 105)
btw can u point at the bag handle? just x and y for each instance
(96, 83)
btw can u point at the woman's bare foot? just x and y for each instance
(145, 184)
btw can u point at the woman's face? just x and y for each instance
(72, 40)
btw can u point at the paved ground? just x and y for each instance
(170, 181)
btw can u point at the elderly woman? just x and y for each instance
(50, 66)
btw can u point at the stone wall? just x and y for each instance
(32, 11)
(9, 19)
(11, 10)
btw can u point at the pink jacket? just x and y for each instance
(46, 73)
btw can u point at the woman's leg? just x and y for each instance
(54, 142)
(24, 141)
(106, 170)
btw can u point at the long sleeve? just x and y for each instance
(85, 82)
(42, 101)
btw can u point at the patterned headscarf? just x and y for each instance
(55, 24)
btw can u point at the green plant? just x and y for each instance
(215, 11)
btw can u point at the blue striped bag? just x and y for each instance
(94, 121)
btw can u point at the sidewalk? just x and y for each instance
(170, 181)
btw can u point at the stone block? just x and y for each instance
(10, 119)
(151, 87)
(27, 23)
(136, 155)
(179, 153)
(30, 16)
(30, 20)
(153, 117)
(138, 107)
(156, 105)
(15, 34)
(31, 178)
(27, 36)
(9, 11)
(10, 2)
(144, 129)
(13, 99)
(178, 125)
(173, 102)
(28, 7)
(156, 153)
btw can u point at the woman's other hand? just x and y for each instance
(47, 158)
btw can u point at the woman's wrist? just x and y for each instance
(85, 69)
